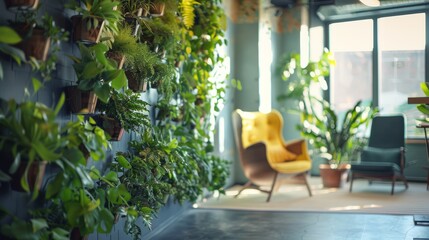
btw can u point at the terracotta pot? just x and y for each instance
(136, 85)
(82, 34)
(21, 4)
(118, 57)
(157, 9)
(112, 127)
(35, 175)
(333, 177)
(80, 101)
(35, 43)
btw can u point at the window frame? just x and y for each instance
(374, 15)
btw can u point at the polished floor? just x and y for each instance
(272, 225)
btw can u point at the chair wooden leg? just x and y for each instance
(405, 181)
(307, 185)
(272, 186)
(351, 182)
(248, 184)
(393, 185)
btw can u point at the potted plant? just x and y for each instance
(96, 75)
(158, 35)
(134, 8)
(88, 137)
(157, 7)
(140, 67)
(30, 138)
(21, 4)
(147, 171)
(334, 139)
(123, 46)
(37, 36)
(124, 111)
(164, 79)
(95, 18)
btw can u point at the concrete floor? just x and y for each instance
(249, 225)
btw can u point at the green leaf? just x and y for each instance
(4, 177)
(424, 86)
(120, 80)
(103, 93)
(36, 84)
(17, 54)
(60, 103)
(38, 224)
(423, 108)
(84, 177)
(60, 234)
(111, 176)
(107, 220)
(91, 70)
(9, 36)
(54, 186)
(123, 162)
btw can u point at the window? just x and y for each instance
(399, 44)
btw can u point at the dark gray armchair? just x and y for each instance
(384, 157)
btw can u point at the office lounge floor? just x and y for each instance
(244, 222)
(248, 225)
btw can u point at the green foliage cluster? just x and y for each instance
(335, 136)
(168, 158)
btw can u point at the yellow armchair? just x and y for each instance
(264, 153)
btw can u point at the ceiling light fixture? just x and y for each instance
(371, 3)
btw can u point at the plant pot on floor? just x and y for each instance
(80, 101)
(21, 4)
(334, 177)
(81, 33)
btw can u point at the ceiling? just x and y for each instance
(343, 8)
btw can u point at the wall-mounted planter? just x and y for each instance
(118, 57)
(135, 84)
(35, 43)
(76, 235)
(82, 34)
(134, 24)
(111, 126)
(157, 9)
(80, 101)
(21, 4)
(35, 175)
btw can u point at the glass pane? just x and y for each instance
(402, 65)
(351, 78)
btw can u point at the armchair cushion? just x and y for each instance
(372, 154)
(278, 153)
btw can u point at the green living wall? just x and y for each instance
(113, 113)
